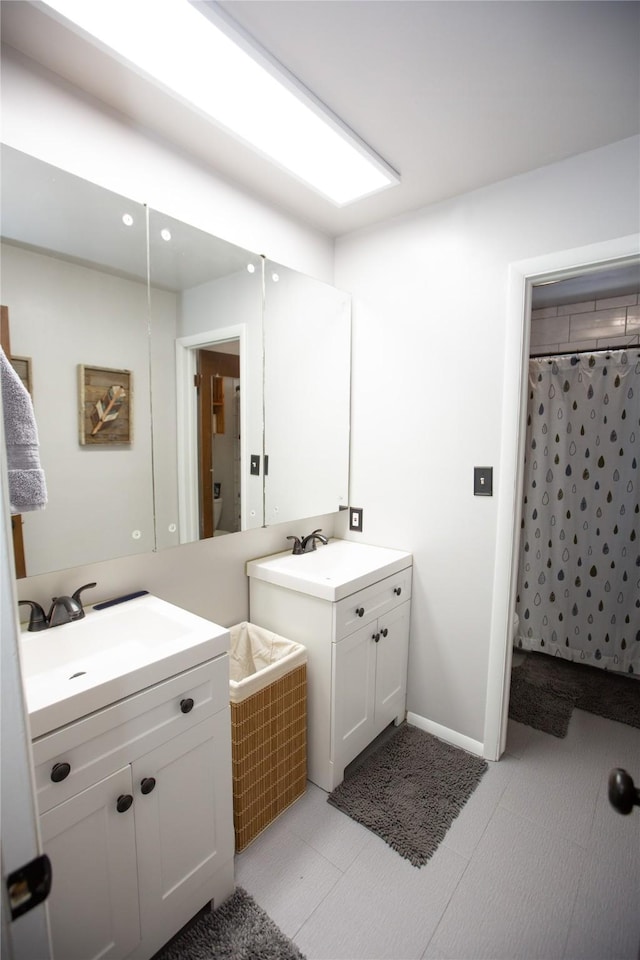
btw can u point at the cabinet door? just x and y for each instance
(354, 660)
(94, 896)
(184, 825)
(391, 666)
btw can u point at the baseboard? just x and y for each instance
(444, 733)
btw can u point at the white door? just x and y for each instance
(354, 664)
(391, 667)
(184, 823)
(94, 895)
(27, 936)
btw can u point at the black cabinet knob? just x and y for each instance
(384, 631)
(397, 591)
(186, 705)
(123, 802)
(147, 784)
(623, 793)
(360, 611)
(375, 636)
(60, 772)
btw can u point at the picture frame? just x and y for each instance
(22, 366)
(105, 405)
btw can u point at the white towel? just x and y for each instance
(27, 486)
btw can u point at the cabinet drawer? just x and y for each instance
(368, 604)
(106, 740)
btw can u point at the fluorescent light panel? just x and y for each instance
(185, 51)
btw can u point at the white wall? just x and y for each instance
(430, 311)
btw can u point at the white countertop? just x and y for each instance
(330, 572)
(74, 669)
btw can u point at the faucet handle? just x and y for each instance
(297, 545)
(76, 596)
(37, 618)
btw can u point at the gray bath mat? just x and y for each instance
(238, 930)
(410, 791)
(544, 691)
(539, 708)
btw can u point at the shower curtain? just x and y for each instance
(579, 574)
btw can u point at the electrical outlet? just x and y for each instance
(355, 519)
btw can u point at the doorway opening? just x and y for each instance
(211, 415)
(524, 276)
(218, 391)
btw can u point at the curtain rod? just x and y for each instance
(584, 353)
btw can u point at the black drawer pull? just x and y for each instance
(60, 772)
(384, 631)
(147, 784)
(186, 705)
(123, 802)
(376, 637)
(360, 611)
(397, 591)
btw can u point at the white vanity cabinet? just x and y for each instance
(136, 816)
(351, 610)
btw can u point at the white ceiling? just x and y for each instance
(454, 95)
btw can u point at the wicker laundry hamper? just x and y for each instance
(268, 697)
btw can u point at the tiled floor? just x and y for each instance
(537, 865)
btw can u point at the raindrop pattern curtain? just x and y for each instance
(579, 573)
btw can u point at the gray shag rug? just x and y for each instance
(545, 690)
(238, 930)
(409, 791)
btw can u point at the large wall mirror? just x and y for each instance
(234, 374)
(206, 303)
(307, 351)
(74, 281)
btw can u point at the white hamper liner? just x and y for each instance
(257, 658)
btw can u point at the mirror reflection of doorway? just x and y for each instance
(218, 382)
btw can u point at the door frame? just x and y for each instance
(523, 274)
(187, 425)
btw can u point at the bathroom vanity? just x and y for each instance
(134, 785)
(349, 604)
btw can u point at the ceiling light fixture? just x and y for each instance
(193, 50)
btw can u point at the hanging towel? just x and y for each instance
(27, 486)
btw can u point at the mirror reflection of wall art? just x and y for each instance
(22, 366)
(105, 405)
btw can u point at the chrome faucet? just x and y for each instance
(309, 542)
(62, 610)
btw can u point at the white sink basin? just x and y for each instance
(330, 572)
(72, 670)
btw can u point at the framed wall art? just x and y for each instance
(105, 409)
(22, 366)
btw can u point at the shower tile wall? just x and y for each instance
(588, 325)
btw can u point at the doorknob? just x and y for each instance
(623, 794)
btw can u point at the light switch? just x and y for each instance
(483, 481)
